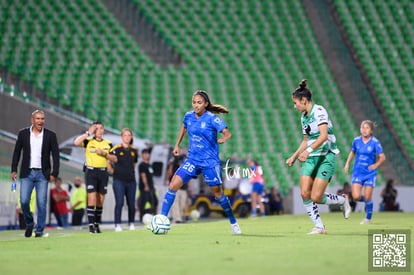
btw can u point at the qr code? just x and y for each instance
(390, 250)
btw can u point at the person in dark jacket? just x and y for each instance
(38, 145)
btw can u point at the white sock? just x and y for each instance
(313, 213)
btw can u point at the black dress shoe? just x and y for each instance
(29, 231)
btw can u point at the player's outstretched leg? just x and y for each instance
(225, 204)
(343, 200)
(168, 202)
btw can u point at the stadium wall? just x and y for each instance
(15, 114)
(9, 200)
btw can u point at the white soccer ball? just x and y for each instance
(195, 215)
(160, 224)
(146, 219)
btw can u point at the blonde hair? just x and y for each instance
(130, 131)
(370, 123)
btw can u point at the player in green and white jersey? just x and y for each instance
(318, 152)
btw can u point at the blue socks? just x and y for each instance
(254, 212)
(369, 205)
(225, 204)
(168, 202)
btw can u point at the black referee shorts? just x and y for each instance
(96, 180)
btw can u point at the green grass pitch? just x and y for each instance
(268, 245)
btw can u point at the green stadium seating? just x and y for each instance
(381, 33)
(248, 55)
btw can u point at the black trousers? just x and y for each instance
(144, 198)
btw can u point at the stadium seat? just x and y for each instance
(250, 66)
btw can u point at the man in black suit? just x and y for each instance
(38, 144)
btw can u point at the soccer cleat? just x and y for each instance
(365, 221)
(118, 228)
(92, 229)
(97, 229)
(236, 229)
(41, 235)
(29, 231)
(346, 207)
(317, 230)
(131, 227)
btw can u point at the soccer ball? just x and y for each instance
(195, 215)
(146, 219)
(160, 224)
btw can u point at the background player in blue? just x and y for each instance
(369, 156)
(202, 127)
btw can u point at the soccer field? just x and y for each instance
(269, 245)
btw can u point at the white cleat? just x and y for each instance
(118, 228)
(365, 221)
(347, 207)
(131, 227)
(317, 230)
(235, 228)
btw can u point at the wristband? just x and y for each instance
(309, 149)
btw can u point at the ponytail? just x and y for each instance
(303, 91)
(214, 108)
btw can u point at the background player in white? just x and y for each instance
(202, 127)
(369, 156)
(318, 152)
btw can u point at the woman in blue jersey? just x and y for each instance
(202, 126)
(369, 156)
(318, 152)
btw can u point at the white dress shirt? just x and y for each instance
(36, 149)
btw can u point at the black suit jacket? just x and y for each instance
(49, 147)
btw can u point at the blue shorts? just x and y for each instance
(258, 188)
(364, 180)
(190, 170)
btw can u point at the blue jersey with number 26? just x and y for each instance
(202, 134)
